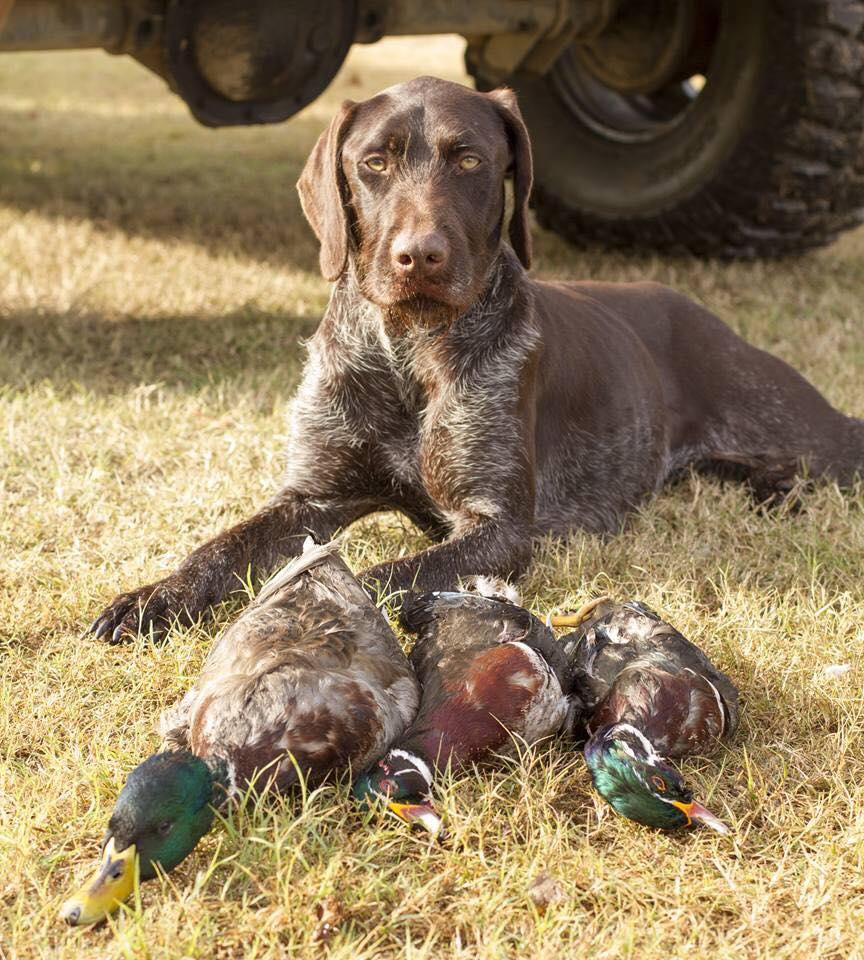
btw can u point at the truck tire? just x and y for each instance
(765, 160)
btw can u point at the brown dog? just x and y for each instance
(489, 407)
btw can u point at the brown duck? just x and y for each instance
(649, 695)
(493, 677)
(309, 679)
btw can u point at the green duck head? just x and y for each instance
(628, 774)
(162, 812)
(402, 781)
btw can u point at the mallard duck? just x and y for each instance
(309, 678)
(492, 676)
(649, 695)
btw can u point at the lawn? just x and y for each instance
(156, 282)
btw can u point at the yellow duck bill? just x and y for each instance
(113, 883)
(423, 814)
(695, 811)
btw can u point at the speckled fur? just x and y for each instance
(529, 408)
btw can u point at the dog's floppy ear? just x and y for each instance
(322, 190)
(523, 171)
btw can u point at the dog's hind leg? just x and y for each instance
(770, 427)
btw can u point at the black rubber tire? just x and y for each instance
(767, 162)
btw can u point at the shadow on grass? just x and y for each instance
(109, 356)
(164, 178)
(232, 191)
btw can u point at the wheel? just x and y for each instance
(719, 127)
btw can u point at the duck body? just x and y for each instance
(631, 666)
(310, 679)
(493, 678)
(649, 695)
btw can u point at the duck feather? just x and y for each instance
(309, 678)
(489, 671)
(631, 666)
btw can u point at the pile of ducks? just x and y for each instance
(311, 680)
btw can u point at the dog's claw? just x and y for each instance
(150, 609)
(109, 624)
(100, 626)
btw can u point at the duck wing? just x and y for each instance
(487, 671)
(619, 635)
(310, 678)
(681, 712)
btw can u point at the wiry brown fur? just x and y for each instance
(489, 407)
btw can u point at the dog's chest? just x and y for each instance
(400, 437)
(415, 411)
(405, 405)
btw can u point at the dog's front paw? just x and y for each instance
(152, 609)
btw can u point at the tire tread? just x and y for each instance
(795, 181)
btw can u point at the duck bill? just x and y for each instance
(695, 811)
(422, 814)
(113, 883)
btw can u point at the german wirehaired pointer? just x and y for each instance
(491, 408)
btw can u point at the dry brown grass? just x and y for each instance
(155, 280)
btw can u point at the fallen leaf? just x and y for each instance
(544, 891)
(331, 915)
(836, 670)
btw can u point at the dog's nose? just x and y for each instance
(419, 255)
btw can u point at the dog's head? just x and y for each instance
(410, 184)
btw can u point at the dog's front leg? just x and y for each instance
(491, 547)
(220, 566)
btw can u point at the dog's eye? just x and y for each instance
(376, 164)
(469, 162)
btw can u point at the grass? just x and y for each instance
(156, 279)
